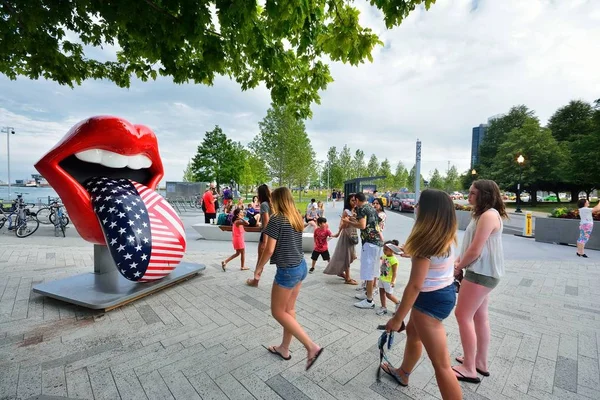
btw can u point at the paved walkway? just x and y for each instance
(204, 338)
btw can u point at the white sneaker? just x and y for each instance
(360, 288)
(361, 296)
(364, 304)
(381, 311)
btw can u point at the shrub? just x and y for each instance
(461, 207)
(564, 212)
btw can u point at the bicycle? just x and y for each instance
(47, 215)
(60, 220)
(20, 220)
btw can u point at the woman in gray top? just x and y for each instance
(483, 257)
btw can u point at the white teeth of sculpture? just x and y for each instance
(114, 160)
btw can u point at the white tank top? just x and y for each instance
(491, 260)
(585, 213)
(440, 274)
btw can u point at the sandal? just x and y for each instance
(314, 358)
(351, 282)
(391, 371)
(460, 360)
(273, 350)
(464, 378)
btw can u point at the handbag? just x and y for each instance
(458, 280)
(353, 237)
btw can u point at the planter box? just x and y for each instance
(564, 231)
(463, 218)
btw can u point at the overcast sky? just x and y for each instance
(438, 75)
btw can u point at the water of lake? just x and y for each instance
(33, 194)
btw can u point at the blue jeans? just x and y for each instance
(290, 277)
(437, 304)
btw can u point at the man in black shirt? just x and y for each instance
(368, 223)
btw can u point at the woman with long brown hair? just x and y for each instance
(345, 249)
(429, 292)
(483, 257)
(264, 198)
(284, 246)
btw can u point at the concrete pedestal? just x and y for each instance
(105, 288)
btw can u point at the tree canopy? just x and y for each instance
(559, 157)
(218, 159)
(285, 147)
(281, 44)
(436, 181)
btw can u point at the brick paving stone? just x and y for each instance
(54, 382)
(232, 388)
(129, 386)
(154, 386)
(206, 387)
(78, 384)
(103, 384)
(180, 387)
(549, 347)
(588, 374)
(565, 376)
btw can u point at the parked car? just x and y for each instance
(403, 202)
(551, 198)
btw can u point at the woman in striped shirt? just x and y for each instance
(284, 247)
(429, 292)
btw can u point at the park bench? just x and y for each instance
(223, 233)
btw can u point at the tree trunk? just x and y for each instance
(574, 195)
(557, 197)
(533, 196)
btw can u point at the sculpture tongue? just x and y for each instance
(144, 235)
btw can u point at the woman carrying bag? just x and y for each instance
(345, 249)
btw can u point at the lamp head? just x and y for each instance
(473, 172)
(520, 159)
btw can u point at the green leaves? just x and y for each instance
(285, 147)
(281, 45)
(561, 157)
(218, 159)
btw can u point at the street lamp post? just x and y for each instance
(328, 189)
(520, 161)
(9, 131)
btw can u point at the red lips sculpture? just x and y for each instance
(110, 148)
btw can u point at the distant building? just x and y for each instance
(476, 140)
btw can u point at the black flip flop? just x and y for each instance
(273, 350)
(463, 378)
(393, 375)
(313, 359)
(479, 371)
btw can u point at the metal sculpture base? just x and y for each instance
(106, 289)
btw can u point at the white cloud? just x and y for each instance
(439, 74)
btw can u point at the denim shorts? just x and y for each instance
(289, 277)
(437, 304)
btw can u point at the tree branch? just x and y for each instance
(166, 13)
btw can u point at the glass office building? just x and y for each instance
(477, 138)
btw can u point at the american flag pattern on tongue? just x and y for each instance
(145, 236)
